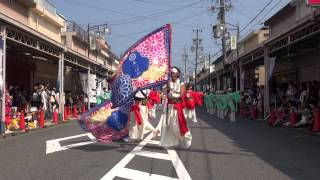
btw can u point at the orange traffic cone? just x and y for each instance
(41, 119)
(65, 113)
(75, 112)
(316, 123)
(22, 122)
(55, 117)
(293, 119)
(272, 118)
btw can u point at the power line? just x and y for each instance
(239, 11)
(157, 3)
(183, 19)
(153, 17)
(270, 10)
(257, 15)
(144, 31)
(265, 15)
(240, 4)
(131, 34)
(189, 17)
(143, 18)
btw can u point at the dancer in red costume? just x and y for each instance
(153, 99)
(139, 124)
(191, 99)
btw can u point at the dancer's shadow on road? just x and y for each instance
(97, 147)
(126, 148)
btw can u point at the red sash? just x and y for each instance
(181, 119)
(136, 110)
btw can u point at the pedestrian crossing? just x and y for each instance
(55, 146)
(120, 170)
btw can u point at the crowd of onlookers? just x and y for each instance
(43, 98)
(302, 100)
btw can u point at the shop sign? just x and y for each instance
(313, 2)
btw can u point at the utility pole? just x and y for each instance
(185, 59)
(196, 47)
(220, 30)
(222, 19)
(239, 68)
(209, 56)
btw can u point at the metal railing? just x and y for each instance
(81, 33)
(47, 6)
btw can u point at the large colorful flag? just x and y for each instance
(146, 64)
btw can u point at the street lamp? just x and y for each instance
(221, 31)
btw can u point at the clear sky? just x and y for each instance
(132, 19)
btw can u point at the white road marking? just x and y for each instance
(150, 154)
(120, 170)
(54, 145)
(130, 173)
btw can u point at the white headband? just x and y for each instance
(174, 70)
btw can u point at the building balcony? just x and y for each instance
(80, 33)
(28, 3)
(48, 11)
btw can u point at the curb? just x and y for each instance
(299, 130)
(265, 122)
(49, 125)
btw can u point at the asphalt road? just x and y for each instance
(220, 150)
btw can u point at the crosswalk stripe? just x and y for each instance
(120, 170)
(150, 154)
(129, 173)
(153, 142)
(54, 144)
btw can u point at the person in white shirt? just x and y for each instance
(174, 130)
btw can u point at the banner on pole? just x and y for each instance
(233, 42)
(271, 66)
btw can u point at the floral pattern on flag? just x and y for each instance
(155, 48)
(143, 65)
